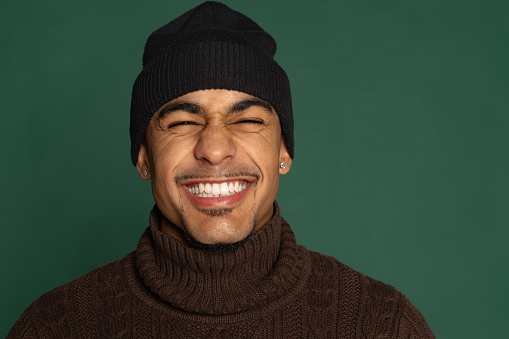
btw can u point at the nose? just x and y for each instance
(215, 145)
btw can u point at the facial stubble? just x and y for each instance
(214, 213)
(218, 247)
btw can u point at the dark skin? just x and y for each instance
(219, 137)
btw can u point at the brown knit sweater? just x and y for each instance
(268, 288)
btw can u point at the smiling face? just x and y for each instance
(213, 157)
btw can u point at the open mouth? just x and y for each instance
(216, 189)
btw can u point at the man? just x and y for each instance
(212, 128)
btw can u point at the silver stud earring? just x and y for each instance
(282, 165)
(145, 172)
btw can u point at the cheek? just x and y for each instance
(167, 159)
(169, 153)
(263, 150)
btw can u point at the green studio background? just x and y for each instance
(400, 171)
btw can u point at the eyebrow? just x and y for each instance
(196, 109)
(245, 104)
(184, 106)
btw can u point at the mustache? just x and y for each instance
(226, 173)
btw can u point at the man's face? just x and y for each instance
(213, 157)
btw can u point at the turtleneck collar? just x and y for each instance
(263, 269)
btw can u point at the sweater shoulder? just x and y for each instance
(385, 311)
(412, 324)
(54, 314)
(369, 308)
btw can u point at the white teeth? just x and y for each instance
(216, 189)
(224, 189)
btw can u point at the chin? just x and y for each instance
(219, 232)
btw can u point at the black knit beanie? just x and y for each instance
(210, 46)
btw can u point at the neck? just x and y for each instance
(181, 234)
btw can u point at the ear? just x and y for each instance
(143, 164)
(284, 157)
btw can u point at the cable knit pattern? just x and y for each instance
(380, 305)
(267, 288)
(322, 295)
(349, 295)
(115, 310)
(52, 320)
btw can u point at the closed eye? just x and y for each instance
(249, 121)
(181, 123)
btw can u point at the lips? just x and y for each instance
(226, 193)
